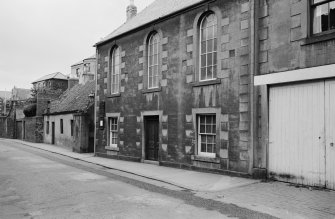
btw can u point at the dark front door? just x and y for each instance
(151, 137)
(53, 133)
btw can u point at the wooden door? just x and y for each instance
(53, 133)
(330, 133)
(296, 133)
(151, 138)
(19, 130)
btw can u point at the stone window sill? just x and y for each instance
(112, 148)
(113, 95)
(152, 90)
(205, 159)
(319, 38)
(206, 83)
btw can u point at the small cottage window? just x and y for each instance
(323, 15)
(153, 61)
(47, 127)
(72, 126)
(115, 71)
(208, 48)
(61, 126)
(206, 135)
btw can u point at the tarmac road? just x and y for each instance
(40, 184)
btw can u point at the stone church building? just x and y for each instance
(173, 87)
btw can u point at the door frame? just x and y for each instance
(141, 119)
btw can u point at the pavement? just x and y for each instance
(278, 199)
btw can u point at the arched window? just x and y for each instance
(153, 61)
(208, 48)
(115, 70)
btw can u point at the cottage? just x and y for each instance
(69, 120)
(173, 87)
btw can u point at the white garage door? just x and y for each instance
(301, 133)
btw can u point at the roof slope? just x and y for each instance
(81, 62)
(75, 99)
(156, 10)
(56, 75)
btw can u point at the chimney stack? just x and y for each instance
(131, 10)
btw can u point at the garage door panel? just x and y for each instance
(296, 121)
(330, 133)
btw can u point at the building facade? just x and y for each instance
(296, 90)
(173, 87)
(84, 70)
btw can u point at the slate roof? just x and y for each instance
(75, 99)
(56, 75)
(156, 10)
(81, 62)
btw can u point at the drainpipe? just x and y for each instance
(95, 99)
(253, 94)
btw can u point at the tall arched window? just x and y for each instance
(115, 70)
(153, 61)
(208, 48)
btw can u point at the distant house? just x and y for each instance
(69, 120)
(84, 70)
(52, 81)
(49, 87)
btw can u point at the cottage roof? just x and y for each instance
(56, 75)
(75, 99)
(157, 10)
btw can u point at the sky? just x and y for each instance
(39, 37)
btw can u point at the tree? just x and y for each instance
(30, 110)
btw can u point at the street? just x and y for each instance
(39, 184)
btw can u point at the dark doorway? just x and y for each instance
(151, 126)
(19, 130)
(53, 133)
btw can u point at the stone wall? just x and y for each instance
(180, 96)
(33, 129)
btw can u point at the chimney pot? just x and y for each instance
(131, 10)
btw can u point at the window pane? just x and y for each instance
(155, 59)
(203, 74)
(203, 35)
(202, 129)
(202, 119)
(210, 32)
(203, 148)
(210, 148)
(203, 47)
(210, 45)
(209, 59)
(203, 139)
(320, 18)
(332, 15)
(203, 60)
(208, 128)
